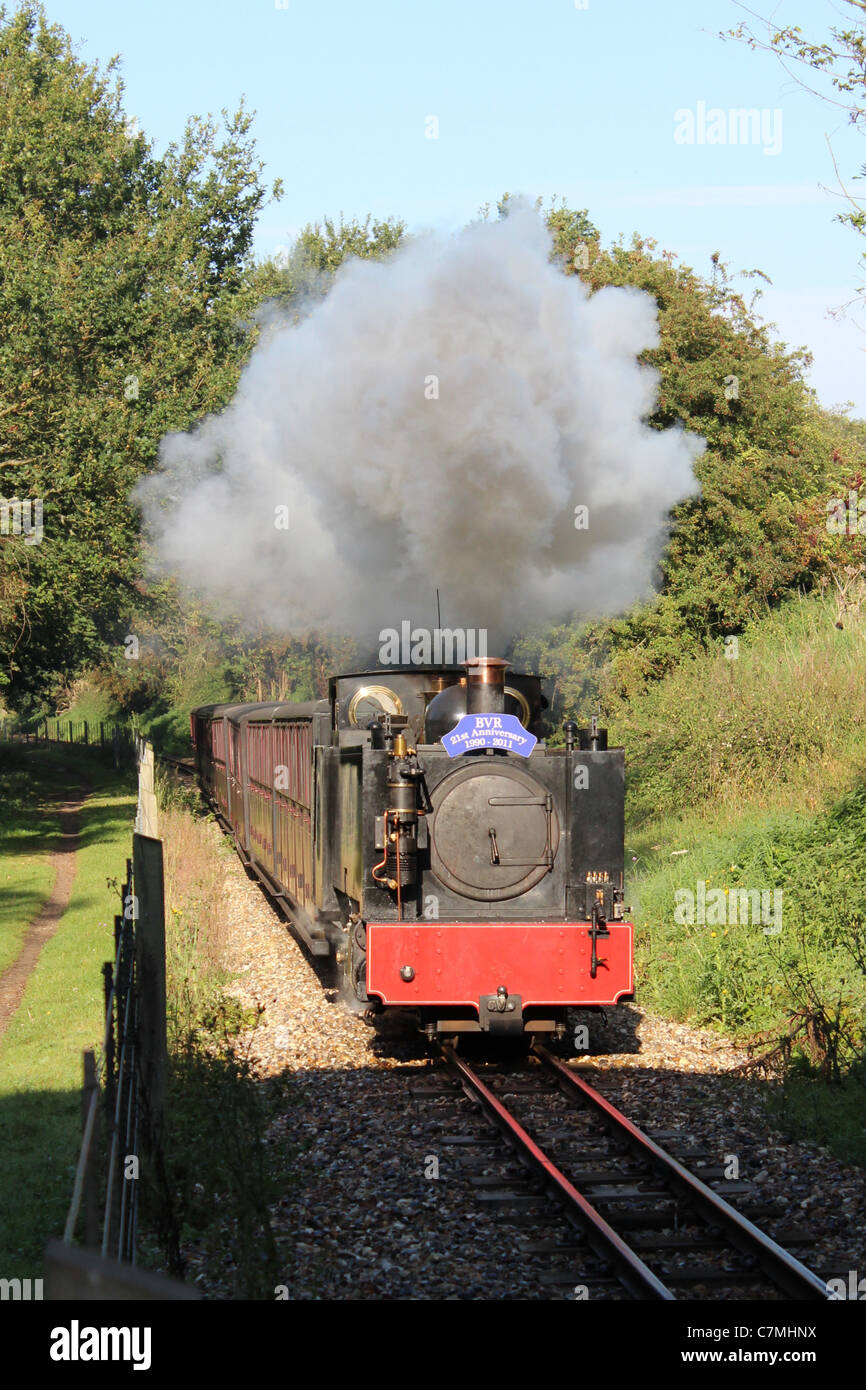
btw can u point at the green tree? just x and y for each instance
(773, 459)
(124, 314)
(298, 279)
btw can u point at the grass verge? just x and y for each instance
(61, 1011)
(29, 789)
(760, 766)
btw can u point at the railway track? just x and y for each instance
(184, 766)
(641, 1224)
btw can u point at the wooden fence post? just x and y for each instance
(73, 1275)
(150, 948)
(147, 817)
(91, 1177)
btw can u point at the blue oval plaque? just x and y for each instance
(489, 731)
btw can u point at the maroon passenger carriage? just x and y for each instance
(412, 827)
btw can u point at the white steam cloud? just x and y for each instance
(433, 423)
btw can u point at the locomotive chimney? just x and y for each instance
(485, 685)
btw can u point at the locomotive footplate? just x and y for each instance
(440, 964)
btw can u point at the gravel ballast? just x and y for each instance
(365, 1217)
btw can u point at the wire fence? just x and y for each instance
(123, 1102)
(116, 743)
(116, 1121)
(114, 1079)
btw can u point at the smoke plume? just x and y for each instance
(433, 423)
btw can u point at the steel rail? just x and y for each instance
(184, 765)
(783, 1269)
(632, 1273)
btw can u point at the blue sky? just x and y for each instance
(531, 96)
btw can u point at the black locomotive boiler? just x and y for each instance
(413, 827)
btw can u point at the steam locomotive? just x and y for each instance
(413, 827)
